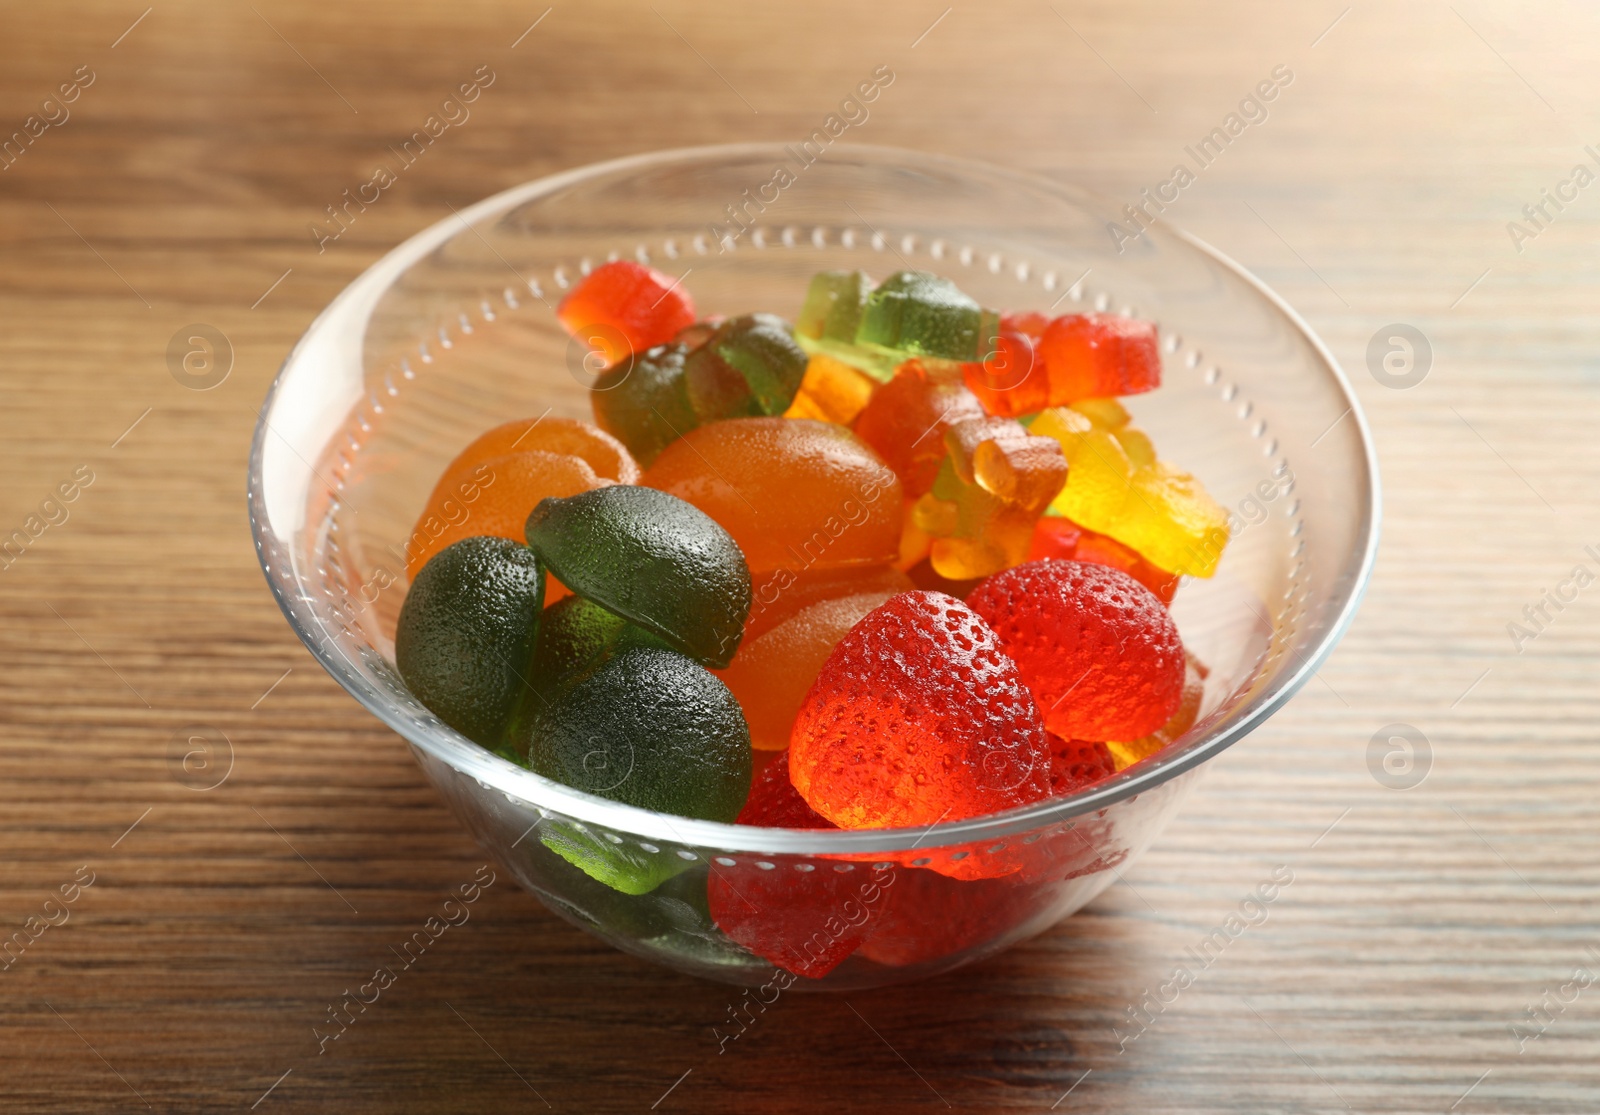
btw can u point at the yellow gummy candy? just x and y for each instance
(831, 391)
(1117, 486)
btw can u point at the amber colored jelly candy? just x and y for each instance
(1057, 537)
(608, 457)
(493, 496)
(622, 308)
(917, 717)
(793, 493)
(906, 420)
(1096, 355)
(1098, 650)
(831, 391)
(771, 674)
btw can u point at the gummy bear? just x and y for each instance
(622, 308)
(651, 558)
(466, 634)
(1194, 691)
(1057, 537)
(794, 494)
(831, 316)
(1116, 486)
(493, 496)
(1096, 356)
(917, 313)
(1011, 380)
(830, 391)
(1097, 649)
(772, 673)
(750, 365)
(917, 717)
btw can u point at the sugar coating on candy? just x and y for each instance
(1098, 650)
(772, 672)
(918, 716)
(1077, 764)
(493, 496)
(794, 494)
(1058, 537)
(621, 308)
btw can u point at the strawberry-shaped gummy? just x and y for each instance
(1098, 650)
(1077, 764)
(621, 308)
(917, 717)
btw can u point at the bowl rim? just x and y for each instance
(545, 795)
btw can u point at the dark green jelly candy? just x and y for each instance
(650, 728)
(467, 632)
(654, 560)
(751, 366)
(920, 314)
(643, 401)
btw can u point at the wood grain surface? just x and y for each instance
(1434, 950)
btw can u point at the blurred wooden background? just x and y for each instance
(178, 186)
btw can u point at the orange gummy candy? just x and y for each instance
(831, 391)
(795, 494)
(607, 456)
(783, 593)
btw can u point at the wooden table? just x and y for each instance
(1402, 970)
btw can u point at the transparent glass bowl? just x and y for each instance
(454, 332)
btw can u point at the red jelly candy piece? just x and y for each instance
(808, 922)
(1093, 356)
(1011, 381)
(1077, 764)
(906, 419)
(918, 717)
(1098, 650)
(623, 307)
(1058, 537)
(927, 916)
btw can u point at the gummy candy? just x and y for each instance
(1056, 537)
(1011, 380)
(493, 496)
(1095, 356)
(621, 308)
(775, 803)
(772, 673)
(1097, 649)
(466, 634)
(917, 717)
(1117, 487)
(831, 316)
(608, 457)
(906, 420)
(830, 391)
(644, 401)
(927, 916)
(1077, 764)
(782, 593)
(650, 728)
(917, 313)
(651, 558)
(1194, 690)
(574, 635)
(793, 493)
(621, 867)
(749, 366)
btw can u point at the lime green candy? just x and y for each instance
(643, 401)
(467, 632)
(916, 313)
(830, 318)
(651, 558)
(647, 727)
(748, 367)
(620, 867)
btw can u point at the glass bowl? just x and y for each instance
(454, 332)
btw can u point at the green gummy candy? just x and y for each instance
(629, 870)
(830, 318)
(750, 366)
(650, 728)
(467, 632)
(643, 401)
(921, 314)
(651, 558)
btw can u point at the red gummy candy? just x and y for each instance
(1011, 381)
(623, 307)
(1098, 650)
(1077, 764)
(906, 419)
(1094, 356)
(1057, 537)
(808, 922)
(928, 916)
(918, 717)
